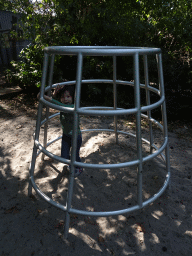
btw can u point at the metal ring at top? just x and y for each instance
(100, 50)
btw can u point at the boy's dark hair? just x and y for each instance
(70, 88)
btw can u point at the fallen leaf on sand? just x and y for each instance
(91, 222)
(13, 209)
(74, 216)
(140, 228)
(19, 126)
(50, 160)
(101, 239)
(60, 224)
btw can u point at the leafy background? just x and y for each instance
(162, 24)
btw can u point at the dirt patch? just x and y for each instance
(30, 226)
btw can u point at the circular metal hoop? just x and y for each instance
(100, 50)
(108, 111)
(140, 111)
(103, 166)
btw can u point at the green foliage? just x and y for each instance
(171, 21)
(28, 71)
(5, 5)
(126, 23)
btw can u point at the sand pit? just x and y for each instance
(30, 226)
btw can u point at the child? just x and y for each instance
(64, 96)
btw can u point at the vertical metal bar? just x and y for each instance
(138, 128)
(74, 141)
(148, 101)
(51, 73)
(115, 95)
(38, 123)
(47, 108)
(163, 109)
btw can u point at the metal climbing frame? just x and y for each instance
(81, 52)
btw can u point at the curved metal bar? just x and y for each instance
(105, 111)
(80, 52)
(151, 156)
(145, 116)
(117, 112)
(110, 111)
(154, 105)
(49, 117)
(45, 197)
(105, 81)
(100, 50)
(49, 154)
(60, 108)
(104, 166)
(159, 193)
(100, 214)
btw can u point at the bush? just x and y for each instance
(27, 72)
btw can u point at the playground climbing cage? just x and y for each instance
(139, 110)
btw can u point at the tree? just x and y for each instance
(128, 23)
(172, 21)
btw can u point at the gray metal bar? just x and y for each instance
(138, 129)
(161, 89)
(164, 115)
(88, 213)
(153, 106)
(84, 111)
(49, 94)
(38, 123)
(160, 192)
(74, 141)
(148, 100)
(115, 95)
(54, 106)
(101, 214)
(153, 121)
(50, 117)
(114, 111)
(95, 81)
(104, 166)
(100, 50)
(45, 197)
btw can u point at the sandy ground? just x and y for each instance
(30, 226)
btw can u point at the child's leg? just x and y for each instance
(65, 146)
(79, 142)
(78, 170)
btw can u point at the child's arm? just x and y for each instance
(45, 97)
